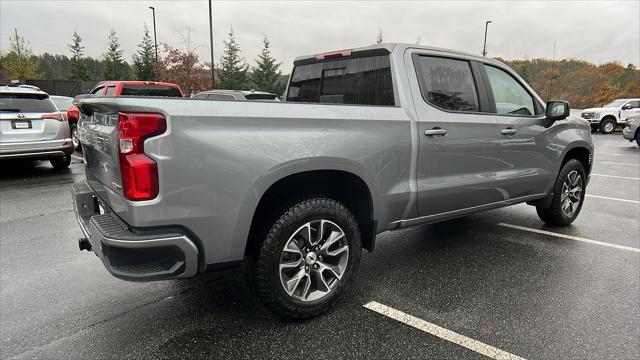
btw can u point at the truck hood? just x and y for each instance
(600, 109)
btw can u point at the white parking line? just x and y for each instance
(569, 237)
(619, 163)
(617, 177)
(442, 333)
(614, 199)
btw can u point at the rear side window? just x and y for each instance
(62, 103)
(220, 97)
(150, 90)
(98, 91)
(260, 96)
(26, 103)
(361, 81)
(447, 83)
(510, 96)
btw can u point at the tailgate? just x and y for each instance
(98, 133)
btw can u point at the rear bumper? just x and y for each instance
(132, 254)
(45, 149)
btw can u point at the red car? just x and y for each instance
(137, 88)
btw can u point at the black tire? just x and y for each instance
(638, 138)
(608, 126)
(554, 215)
(74, 136)
(265, 273)
(61, 162)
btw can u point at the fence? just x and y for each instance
(70, 88)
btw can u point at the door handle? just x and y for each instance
(435, 132)
(508, 131)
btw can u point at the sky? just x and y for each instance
(596, 31)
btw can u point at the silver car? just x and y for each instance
(632, 130)
(32, 127)
(235, 95)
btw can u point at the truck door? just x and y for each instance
(628, 109)
(527, 156)
(457, 135)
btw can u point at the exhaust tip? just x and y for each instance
(84, 244)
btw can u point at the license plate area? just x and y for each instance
(21, 124)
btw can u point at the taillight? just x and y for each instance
(73, 113)
(139, 172)
(54, 116)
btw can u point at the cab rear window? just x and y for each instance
(361, 81)
(26, 103)
(150, 90)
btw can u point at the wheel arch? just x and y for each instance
(346, 184)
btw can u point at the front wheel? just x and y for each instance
(607, 126)
(568, 195)
(308, 258)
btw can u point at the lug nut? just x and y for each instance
(306, 267)
(319, 257)
(317, 248)
(306, 250)
(315, 266)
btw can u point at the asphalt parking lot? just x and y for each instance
(499, 278)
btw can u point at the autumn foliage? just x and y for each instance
(182, 67)
(581, 83)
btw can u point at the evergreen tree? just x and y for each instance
(79, 67)
(233, 69)
(114, 66)
(145, 58)
(265, 76)
(19, 62)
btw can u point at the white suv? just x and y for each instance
(32, 127)
(608, 117)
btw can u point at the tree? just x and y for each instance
(79, 67)
(114, 67)
(265, 76)
(19, 62)
(145, 59)
(232, 67)
(182, 68)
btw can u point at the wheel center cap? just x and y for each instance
(311, 258)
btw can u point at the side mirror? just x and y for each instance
(557, 110)
(627, 107)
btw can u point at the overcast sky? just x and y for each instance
(597, 31)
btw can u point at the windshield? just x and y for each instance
(26, 103)
(615, 103)
(62, 103)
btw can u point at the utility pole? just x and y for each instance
(486, 27)
(155, 37)
(18, 44)
(213, 73)
(553, 62)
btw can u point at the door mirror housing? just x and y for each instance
(557, 110)
(627, 107)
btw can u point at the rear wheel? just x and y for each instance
(638, 138)
(607, 126)
(74, 136)
(61, 162)
(308, 258)
(568, 195)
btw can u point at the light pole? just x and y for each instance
(155, 37)
(213, 74)
(486, 26)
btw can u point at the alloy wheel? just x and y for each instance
(571, 193)
(313, 260)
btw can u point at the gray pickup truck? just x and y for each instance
(367, 140)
